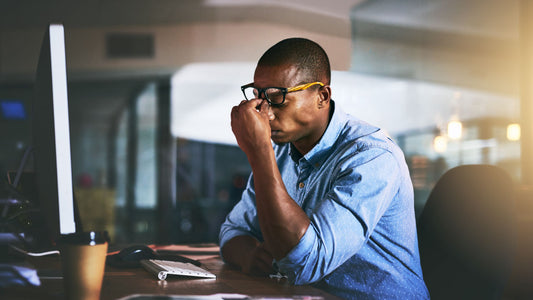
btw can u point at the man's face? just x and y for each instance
(296, 120)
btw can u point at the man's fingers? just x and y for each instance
(252, 103)
(234, 111)
(263, 261)
(265, 268)
(264, 256)
(264, 107)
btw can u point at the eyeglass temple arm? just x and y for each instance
(304, 86)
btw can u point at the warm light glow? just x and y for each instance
(455, 130)
(513, 132)
(440, 143)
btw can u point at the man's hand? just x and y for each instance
(251, 125)
(258, 262)
(249, 254)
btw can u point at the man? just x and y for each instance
(330, 202)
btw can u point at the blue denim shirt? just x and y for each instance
(355, 188)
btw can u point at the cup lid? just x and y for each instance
(85, 238)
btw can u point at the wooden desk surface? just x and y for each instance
(120, 283)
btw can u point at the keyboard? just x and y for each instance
(162, 268)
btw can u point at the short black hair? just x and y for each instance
(308, 56)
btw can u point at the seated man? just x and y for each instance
(330, 202)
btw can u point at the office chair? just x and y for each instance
(466, 233)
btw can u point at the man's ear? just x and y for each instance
(324, 96)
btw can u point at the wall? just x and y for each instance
(175, 45)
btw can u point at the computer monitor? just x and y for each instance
(51, 137)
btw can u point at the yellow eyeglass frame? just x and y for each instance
(302, 87)
(282, 90)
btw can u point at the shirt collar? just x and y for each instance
(336, 126)
(321, 150)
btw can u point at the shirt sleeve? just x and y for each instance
(362, 190)
(242, 219)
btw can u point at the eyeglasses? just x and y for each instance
(274, 95)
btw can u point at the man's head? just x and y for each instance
(307, 56)
(304, 116)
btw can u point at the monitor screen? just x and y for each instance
(12, 109)
(51, 136)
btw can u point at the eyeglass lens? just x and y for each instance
(273, 95)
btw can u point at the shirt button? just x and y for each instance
(301, 185)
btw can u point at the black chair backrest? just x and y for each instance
(466, 233)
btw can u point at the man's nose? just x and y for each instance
(271, 115)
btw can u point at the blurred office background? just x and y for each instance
(151, 85)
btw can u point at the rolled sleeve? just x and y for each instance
(344, 219)
(293, 263)
(242, 220)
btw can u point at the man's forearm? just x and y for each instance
(281, 219)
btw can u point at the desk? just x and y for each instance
(119, 283)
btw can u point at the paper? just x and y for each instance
(197, 251)
(191, 249)
(16, 275)
(218, 297)
(186, 297)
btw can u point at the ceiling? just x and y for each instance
(486, 18)
(477, 17)
(312, 14)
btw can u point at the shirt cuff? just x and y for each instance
(292, 264)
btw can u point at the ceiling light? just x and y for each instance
(440, 144)
(513, 132)
(455, 130)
